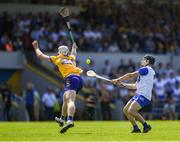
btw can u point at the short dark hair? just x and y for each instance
(150, 58)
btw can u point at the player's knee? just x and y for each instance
(64, 104)
(71, 103)
(125, 110)
(130, 111)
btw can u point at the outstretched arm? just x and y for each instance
(74, 48)
(128, 85)
(38, 51)
(127, 76)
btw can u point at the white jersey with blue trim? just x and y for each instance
(145, 82)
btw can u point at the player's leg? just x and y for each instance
(133, 110)
(73, 85)
(63, 113)
(70, 97)
(130, 117)
(173, 111)
(76, 85)
(64, 110)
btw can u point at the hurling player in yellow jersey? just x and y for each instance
(66, 63)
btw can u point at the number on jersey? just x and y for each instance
(66, 61)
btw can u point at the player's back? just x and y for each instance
(66, 65)
(145, 83)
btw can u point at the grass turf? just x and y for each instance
(88, 131)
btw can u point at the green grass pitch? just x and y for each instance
(88, 131)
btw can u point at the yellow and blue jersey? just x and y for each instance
(69, 71)
(66, 65)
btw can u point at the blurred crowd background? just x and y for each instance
(101, 26)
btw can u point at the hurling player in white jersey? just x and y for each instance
(143, 86)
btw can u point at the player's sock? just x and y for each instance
(62, 117)
(147, 128)
(60, 121)
(70, 118)
(145, 125)
(135, 127)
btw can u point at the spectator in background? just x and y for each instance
(113, 73)
(30, 95)
(107, 67)
(37, 105)
(169, 108)
(176, 93)
(27, 42)
(122, 66)
(130, 66)
(124, 95)
(105, 103)
(6, 96)
(1, 108)
(49, 101)
(170, 82)
(160, 69)
(178, 77)
(96, 30)
(59, 100)
(159, 88)
(7, 43)
(113, 47)
(9, 46)
(149, 44)
(6, 24)
(168, 69)
(90, 100)
(18, 111)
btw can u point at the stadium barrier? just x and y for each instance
(30, 8)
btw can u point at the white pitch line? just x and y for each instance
(91, 141)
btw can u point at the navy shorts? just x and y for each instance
(141, 100)
(73, 82)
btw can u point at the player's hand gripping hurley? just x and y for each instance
(91, 73)
(64, 12)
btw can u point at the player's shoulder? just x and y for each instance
(54, 56)
(146, 70)
(143, 71)
(150, 69)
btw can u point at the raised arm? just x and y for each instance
(38, 51)
(74, 48)
(127, 76)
